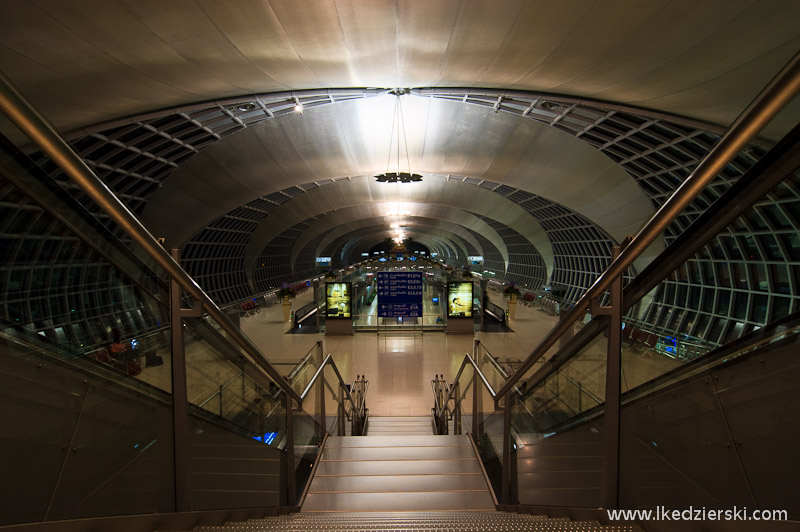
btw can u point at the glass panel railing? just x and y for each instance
(84, 342)
(716, 432)
(465, 408)
(237, 430)
(78, 431)
(724, 275)
(302, 373)
(571, 390)
(336, 406)
(307, 436)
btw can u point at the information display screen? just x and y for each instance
(399, 294)
(459, 300)
(337, 299)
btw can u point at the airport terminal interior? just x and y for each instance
(352, 265)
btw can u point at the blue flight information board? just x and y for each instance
(399, 294)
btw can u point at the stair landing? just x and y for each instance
(400, 426)
(398, 473)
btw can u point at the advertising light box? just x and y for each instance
(337, 298)
(459, 300)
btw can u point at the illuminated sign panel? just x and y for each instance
(459, 300)
(337, 299)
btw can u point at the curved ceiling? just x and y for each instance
(87, 62)
(345, 221)
(427, 199)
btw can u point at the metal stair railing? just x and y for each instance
(44, 135)
(350, 395)
(774, 97)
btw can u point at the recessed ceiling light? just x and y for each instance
(249, 106)
(549, 106)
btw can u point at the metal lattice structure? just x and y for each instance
(55, 284)
(754, 266)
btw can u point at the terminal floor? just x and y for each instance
(400, 366)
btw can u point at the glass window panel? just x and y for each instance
(739, 309)
(780, 307)
(758, 308)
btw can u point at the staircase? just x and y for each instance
(417, 521)
(400, 426)
(398, 473)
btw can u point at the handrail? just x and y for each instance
(770, 170)
(776, 95)
(468, 359)
(33, 124)
(494, 363)
(302, 364)
(495, 310)
(328, 361)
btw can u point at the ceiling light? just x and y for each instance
(298, 108)
(402, 177)
(549, 106)
(243, 107)
(399, 121)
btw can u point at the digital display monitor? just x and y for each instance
(459, 300)
(337, 298)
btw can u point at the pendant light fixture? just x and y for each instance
(398, 126)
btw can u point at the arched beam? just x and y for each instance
(412, 198)
(444, 222)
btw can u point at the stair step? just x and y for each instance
(393, 441)
(399, 483)
(390, 467)
(390, 521)
(363, 454)
(413, 501)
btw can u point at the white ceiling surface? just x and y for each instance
(344, 221)
(433, 230)
(353, 138)
(349, 250)
(427, 199)
(84, 61)
(449, 243)
(446, 246)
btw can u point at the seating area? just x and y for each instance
(550, 306)
(249, 307)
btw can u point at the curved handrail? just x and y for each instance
(328, 361)
(302, 364)
(469, 360)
